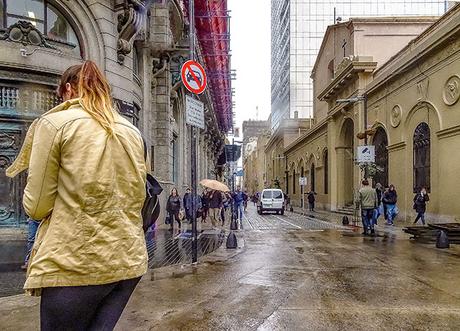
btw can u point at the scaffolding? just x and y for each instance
(212, 22)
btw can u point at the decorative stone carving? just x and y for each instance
(451, 92)
(422, 89)
(396, 115)
(25, 33)
(6, 141)
(129, 23)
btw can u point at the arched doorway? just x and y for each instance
(381, 157)
(345, 158)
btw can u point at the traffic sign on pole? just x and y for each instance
(194, 112)
(366, 154)
(193, 77)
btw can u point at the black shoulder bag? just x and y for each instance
(151, 208)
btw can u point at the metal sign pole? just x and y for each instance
(193, 164)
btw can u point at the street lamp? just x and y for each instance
(355, 99)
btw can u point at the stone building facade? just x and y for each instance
(139, 45)
(408, 70)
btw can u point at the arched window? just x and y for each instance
(326, 172)
(43, 16)
(381, 157)
(302, 174)
(312, 176)
(293, 181)
(136, 59)
(422, 150)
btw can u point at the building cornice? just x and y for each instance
(397, 147)
(346, 70)
(432, 39)
(306, 135)
(450, 132)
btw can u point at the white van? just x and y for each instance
(271, 200)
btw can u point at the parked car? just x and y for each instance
(271, 200)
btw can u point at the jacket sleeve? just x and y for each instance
(42, 180)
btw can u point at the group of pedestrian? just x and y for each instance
(211, 204)
(378, 201)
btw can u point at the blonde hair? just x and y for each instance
(93, 90)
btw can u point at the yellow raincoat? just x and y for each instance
(88, 189)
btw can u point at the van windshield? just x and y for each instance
(267, 195)
(277, 195)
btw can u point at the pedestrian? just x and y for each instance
(187, 200)
(311, 199)
(215, 204)
(86, 185)
(378, 211)
(390, 198)
(368, 202)
(245, 200)
(226, 203)
(204, 205)
(254, 199)
(173, 208)
(32, 227)
(238, 199)
(420, 200)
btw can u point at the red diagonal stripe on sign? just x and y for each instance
(197, 81)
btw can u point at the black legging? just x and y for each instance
(94, 307)
(175, 216)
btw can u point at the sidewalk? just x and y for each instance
(336, 217)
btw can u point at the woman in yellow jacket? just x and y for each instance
(86, 183)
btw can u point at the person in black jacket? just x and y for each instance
(390, 198)
(420, 201)
(173, 207)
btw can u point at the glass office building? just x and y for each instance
(297, 30)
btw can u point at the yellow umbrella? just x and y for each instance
(215, 185)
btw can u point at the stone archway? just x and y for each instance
(345, 162)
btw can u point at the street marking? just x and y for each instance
(298, 227)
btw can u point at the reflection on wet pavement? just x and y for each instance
(316, 277)
(165, 248)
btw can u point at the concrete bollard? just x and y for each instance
(442, 240)
(232, 242)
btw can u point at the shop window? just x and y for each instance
(44, 16)
(422, 160)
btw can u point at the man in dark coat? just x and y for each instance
(420, 201)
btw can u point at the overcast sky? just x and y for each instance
(250, 45)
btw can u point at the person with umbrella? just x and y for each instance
(215, 198)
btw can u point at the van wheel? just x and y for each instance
(277, 212)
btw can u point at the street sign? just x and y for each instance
(193, 77)
(366, 154)
(302, 181)
(194, 112)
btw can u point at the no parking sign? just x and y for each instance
(193, 77)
